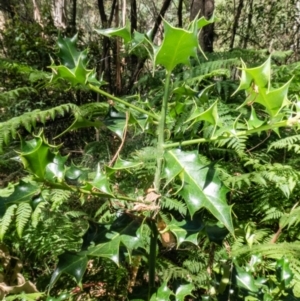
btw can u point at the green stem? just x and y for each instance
(117, 99)
(161, 133)
(238, 134)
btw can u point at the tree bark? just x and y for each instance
(74, 13)
(206, 9)
(236, 23)
(59, 13)
(179, 13)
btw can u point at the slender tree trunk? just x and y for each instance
(206, 9)
(36, 13)
(59, 13)
(133, 21)
(249, 24)
(179, 13)
(236, 23)
(74, 14)
(141, 63)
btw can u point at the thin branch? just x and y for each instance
(115, 157)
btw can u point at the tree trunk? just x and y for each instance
(74, 13)
(206, 9)
(59, 14)
(236, 23)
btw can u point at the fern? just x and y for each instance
(58, 197)
(36, 215)
(6, 220)
(288, 143)
(22, 216)
(9, 129)
(173, 204)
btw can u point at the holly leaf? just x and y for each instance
(74, 64)
(101, 182)
(177, 47)
(124, 231)
(71, 264)
(254, 122)
(284, 274)
(121, 165)
(183, 291)
(36, 155)
(163, 293)
(246, 281)
(23, 192)
(55, 170)
(124, 32)
(68, 53)
(201, 187)
(185, 231)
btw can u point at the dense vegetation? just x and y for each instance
(134, 166)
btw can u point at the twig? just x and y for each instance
(112, 161)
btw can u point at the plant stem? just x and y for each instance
(263, 128)
(117, 99)
(161, 133)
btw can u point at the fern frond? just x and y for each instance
(23, 215)
(288, 143)
(58, 197)
(35, 216)
(75, 214)
(175, 204)
(9, 129)
(6, 220)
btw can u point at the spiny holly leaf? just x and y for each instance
(101, 182)
(177, 47)
(256, 82)
(23, 192)
(246, 280)
(68, 53)
(183, 291)
(203, 22)
(201, 187)
(55, 170)
(80, 123)
(74, 64)
(163, 293)
(122, 232)
(253, 121)
(36, 155)
(259, 76)
(210, 115)
(284, 273)
(71, 264)
(186, 230)
(123, 32)
(121, 165)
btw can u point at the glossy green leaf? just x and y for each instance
(259, 76)
(124, 32)
(80, 123)
(210, 115)
(215, 233)
(177, 47)
(256, 82)
(101, 182)
(183, 291)
(71, 264)
(74, 64)
(36, 155)
(121, 165)
(23, 192)
(246, 281)
(56, 169)
(203, 21)
(186, 230)
(124, 231)
(254, 122)
(68, 53)
(163, 293)
(75, 175)
(284, 273)
(201, 187)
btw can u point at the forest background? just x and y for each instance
(135, 165)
